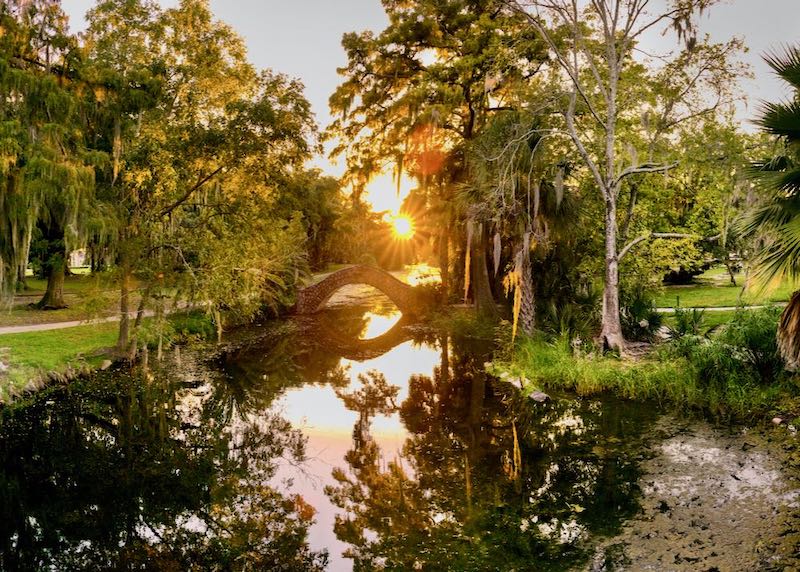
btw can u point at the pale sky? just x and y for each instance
(302, 38)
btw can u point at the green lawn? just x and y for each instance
(55, 350)
(30, 353)
(713, 289)
(87, 296)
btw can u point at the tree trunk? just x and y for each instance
(527, 312)
(789, 333)
(481, 290)
(731, 274)
(123, 339)
(54, 265)
(53, 298)
(444, 263)
(22, 279)
(611, 333)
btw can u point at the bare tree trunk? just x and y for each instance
(611, 332)
(481, 290)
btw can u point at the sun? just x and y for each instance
(403, 227)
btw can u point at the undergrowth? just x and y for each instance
(736, 372)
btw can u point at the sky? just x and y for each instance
(302, 38)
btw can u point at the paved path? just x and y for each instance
(722, 308)
(63, 325)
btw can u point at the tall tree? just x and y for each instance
(200, 142)
(595, 52)
(416, 93)
(46, 165)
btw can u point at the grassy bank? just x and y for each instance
(31, 354)
(736, 372)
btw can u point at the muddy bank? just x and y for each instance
(712, 500)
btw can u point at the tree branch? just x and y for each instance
(643, 168)
(648, 236)
(190, 192)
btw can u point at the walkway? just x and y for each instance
(722, 308)
(63, 325)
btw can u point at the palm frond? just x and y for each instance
(786, 63)
(781, 258)
(781, 119)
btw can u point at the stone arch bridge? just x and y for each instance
(312, 298)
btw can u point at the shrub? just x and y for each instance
(640, 320)
(754, 334)
(744, 352)
(688, 322)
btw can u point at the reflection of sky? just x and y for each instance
(328, 425)
(378, 325)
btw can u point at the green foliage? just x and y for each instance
(687, 322)
(640, 320)
(692, 371)
(46, 165)
(753, 333)
(777, 218)
(742, 359)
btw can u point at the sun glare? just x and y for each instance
(403, 227)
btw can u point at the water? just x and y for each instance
(356, 440)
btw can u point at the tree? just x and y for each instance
(519, 182)
(777, 219)
(416, 93)
(201, 143)
(606, 89)
(47, 167)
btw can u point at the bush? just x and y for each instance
(687, 322)
(640, 320)
(744, 353)
(754, 334)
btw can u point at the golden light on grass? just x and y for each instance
(402, 227)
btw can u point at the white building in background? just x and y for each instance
(77, 258)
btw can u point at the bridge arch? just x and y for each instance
(312, 298)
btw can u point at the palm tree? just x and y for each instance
(777, 219)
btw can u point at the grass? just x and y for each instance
(713, 289)
(711, 319)
(32, 353)
(543, 365)
(87, 296)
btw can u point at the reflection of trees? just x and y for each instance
(487, 481)
(264, 367)
(106, 475)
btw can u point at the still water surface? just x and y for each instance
(356, 440)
